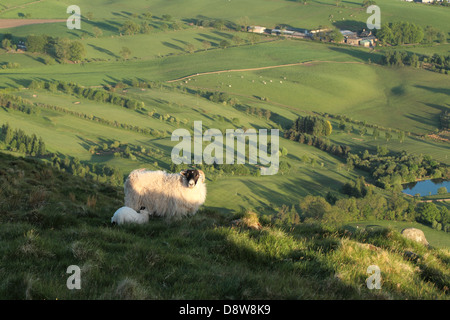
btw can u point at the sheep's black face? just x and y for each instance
(192, 177)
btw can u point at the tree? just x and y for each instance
(336, 36)
(177, 25)
(367, 3)
(206, 45)
(36, 43)
(237, 40)
(125, 52)
(130, 27)
(166, 17)
(147, 15)
(190, 48)
(328, 128)
(428, 213)
(146, 28)
(41, 149)
(62, 47)
(97, 31)
(314, 207)
(442, 190)
(430, 34)
(224, 44)
(243, 22)
(401, 136)
(442, 38)
(164, 27)
(375, 134)
(77, 51)
(387, 135)
(252, 38)
(89, 15)
(414, 61)
(6, 44)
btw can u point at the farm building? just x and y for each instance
(353, 40)
(365, 38)
(347, 33)
(365, 43)
(320, 30)
(256, 29)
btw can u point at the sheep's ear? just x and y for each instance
(183, 172)
(202, 175)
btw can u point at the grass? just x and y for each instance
(267, 13)
(73, 136)
(436, 238)
(203, 257)
(50, 220)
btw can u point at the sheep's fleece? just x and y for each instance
(165, 194)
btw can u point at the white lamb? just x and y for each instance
(170, 195)
(129, 215)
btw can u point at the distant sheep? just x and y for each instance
(129, 215)
(170, 195)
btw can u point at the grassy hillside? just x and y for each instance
(179, 72)
(53, 220)
(266, 12)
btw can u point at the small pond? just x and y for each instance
(425, 187)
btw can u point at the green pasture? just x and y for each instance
(263, 12)
(172, 67)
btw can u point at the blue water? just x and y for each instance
(425, 187)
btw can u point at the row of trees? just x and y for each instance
(344, 120)
(444, 119)
(313, 125)
(90, 171)
(321, 143)
(388, 171)
(23, 105)
(372, 206)
(17, 140)
(398, 33)
(17, 103)
(215, 171)
(436, 62)
(98, 95)
(391, 171)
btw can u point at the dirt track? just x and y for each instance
(11, 23)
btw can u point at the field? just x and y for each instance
(173, 71)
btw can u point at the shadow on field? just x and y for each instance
(362, 55)
(423, 120)
(103, 50)
(111, 26)
(223, 35)
(434, 90)
(21, 82)
(172, 46)
(352, 25)
(210, 37)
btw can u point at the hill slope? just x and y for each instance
(50, 220)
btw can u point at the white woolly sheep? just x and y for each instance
(170, 195)
(129, 215)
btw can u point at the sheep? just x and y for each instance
(129, 215)
(170, 195)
